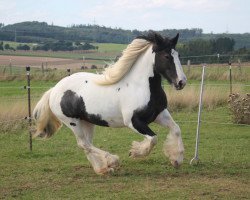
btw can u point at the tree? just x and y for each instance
(77, 43)
(1, 46)
(86, 46)
(7, 46)
(23, 47)
(223, 45)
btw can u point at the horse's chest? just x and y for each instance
(157, 102)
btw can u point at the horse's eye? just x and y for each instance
(168, 57)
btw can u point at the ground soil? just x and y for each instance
(23, 61)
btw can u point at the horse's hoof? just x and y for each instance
(142, 149)
(111, 170)
(104, 171)
(176, 164)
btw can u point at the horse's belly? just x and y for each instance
(106, 104)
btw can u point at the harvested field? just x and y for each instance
(22, 61)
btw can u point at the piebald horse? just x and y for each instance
(127, 94)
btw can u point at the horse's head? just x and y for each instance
(167, 61)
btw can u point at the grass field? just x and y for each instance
(106, 51)
(57, 169)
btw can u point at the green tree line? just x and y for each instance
(192, 42)
(41, 32)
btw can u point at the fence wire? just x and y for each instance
(165, 85)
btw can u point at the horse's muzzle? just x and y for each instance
(180, 84)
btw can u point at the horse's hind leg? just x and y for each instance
(102, 161)
(173, 146)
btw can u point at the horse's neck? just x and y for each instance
(143, 67)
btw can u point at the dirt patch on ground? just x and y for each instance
(22, 61)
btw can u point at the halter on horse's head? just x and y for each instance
(167, 61)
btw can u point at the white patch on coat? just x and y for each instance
(180, 74)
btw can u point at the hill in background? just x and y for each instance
(41, 32)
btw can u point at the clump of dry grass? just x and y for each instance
(218, 73)
(51, 76)
(240, 108)
(188, 98)
(13, 114)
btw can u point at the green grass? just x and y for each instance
(58, 169)
(106, 51)
(110, 47)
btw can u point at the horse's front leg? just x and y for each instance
(143, 148)
(173, 146)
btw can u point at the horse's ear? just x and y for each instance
(158, 39)
(175, 39)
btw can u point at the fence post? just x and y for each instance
(68, 70)
(196, 156)
(46, 64)
(188, 64)
(230, 77)
(42, 68)
(10, 66)
(29, 106)
(239, 65)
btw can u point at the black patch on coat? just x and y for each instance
(157, 103)
(118, 89)
(86, 81)
(72, 124)
(73, 106)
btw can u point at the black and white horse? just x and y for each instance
(128, 94)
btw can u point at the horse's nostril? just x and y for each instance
(180, 84)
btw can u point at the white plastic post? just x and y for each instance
(196, 156)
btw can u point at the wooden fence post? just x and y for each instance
(68, 70)
(230, 78)
(29, 106)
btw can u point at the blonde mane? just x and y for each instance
(115, 72)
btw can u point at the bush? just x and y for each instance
(64, 46)
(1, 46)
(23, 47)
(240, 108)
(7, 46)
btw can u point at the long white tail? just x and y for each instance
(46, 122)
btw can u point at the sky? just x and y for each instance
(217, 16)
